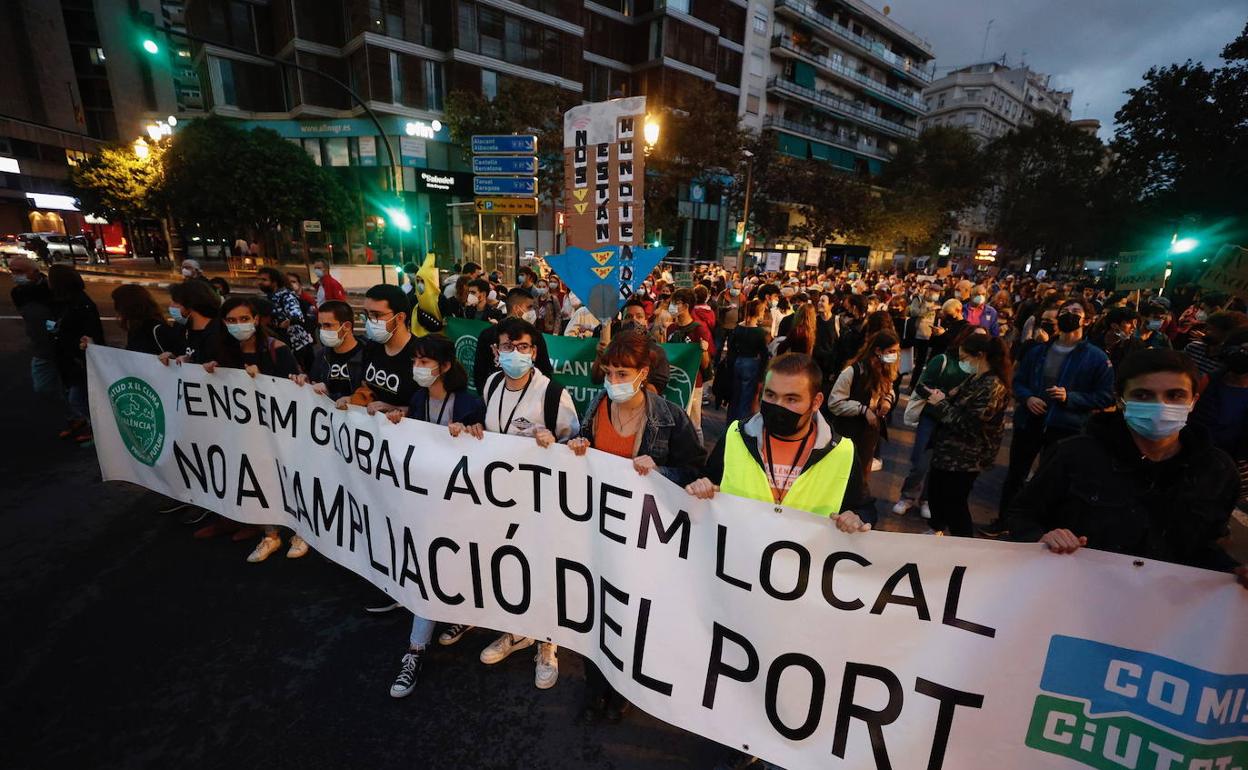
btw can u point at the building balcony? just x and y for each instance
(804, 11)
(777, 123)
(913, 102)
(840, 107)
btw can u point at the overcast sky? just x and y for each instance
(1099, 48)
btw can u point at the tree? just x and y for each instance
(1047, 175)
(116, 183)
(224, 180)
(1181, 143)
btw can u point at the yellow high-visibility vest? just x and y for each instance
(819, 489)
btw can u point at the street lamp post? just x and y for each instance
(151, 47)
(745, 209)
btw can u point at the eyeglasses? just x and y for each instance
(524, 348)
(378, 315)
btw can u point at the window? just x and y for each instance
(760, 23)
(97, 56)
(489, 84)
(491, 24)
(678, 5)
(396, 78)
(757, 67)
(433, 85)
(751, 104)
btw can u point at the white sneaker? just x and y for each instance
(546, 672)
(503, 646)
(265, 548)
(902, 507)
(925, 511)
(877, 464)
(298, 548)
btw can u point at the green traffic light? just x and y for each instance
(399, 219)
(1184, 245)
(150, 46)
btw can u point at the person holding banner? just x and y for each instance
(1142, 481)
(441, 398)
(628, 420)
(788, 453)
(520, 400)
(388, 383)
(338, 369)
(520, 306)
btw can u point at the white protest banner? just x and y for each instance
(760, 627)
(1139, 270)
(1228, 272)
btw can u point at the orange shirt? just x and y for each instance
(784, 460)
(607, 438)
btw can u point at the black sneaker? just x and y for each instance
(453, 634)
(195, 516)
(409, 671)
(997, 528)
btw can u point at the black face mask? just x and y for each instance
(1048, 326)
(1068, 322)
(779, 421)
(1237, 360)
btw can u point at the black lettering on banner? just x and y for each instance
(324, 518)
(625, 192)
(342, 442)
(474, 561)
(716, 667)
(650, 518)
(261, 416)
(461, 467)
(320, 439)
(847, 710)
(639, 653)
(283, 478)
(625, 128)
(605, 510)
(368, 541)
(952, 597)
(390, 533)
(364, 442)
(301, 506)
(949, 699)
(496, 577)
(626, 231)
(249, 485)
(280, 420)
(407, 473)
(888, 594)
(216, 461)
(602, 233)
(721, 546)
(589, 498)
(195, 466)
(562, 568)
(606, 621)
(602, 172)
(489, 484)
(411, 573)
(768, 561)
(385, 464)
(357, 523)
(580, 174)
(242, 414)
(437, 545)
(604, 150)
(829, 569)
(191, 398)
(818, 687)
(537, 471)
(219, 402)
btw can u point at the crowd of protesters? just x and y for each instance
(1126, 414)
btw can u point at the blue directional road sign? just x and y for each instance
(522, 165)
(505, 185)
(504, 144)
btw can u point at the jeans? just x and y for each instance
(948, 493)
(45, 379)
(1025, 445)
(422, 632)
(920, 460)
(745, 377)
(76, 397)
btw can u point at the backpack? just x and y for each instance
(550, 400)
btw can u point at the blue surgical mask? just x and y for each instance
(620, 392)
(241, 332)
(176, 314)
(967, 366)
(378, 331)
(21, 280)
(515, 364)
(1154, 324)
(1155, 420)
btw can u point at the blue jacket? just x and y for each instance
(467, 407)
(1087, 376)
(990, 320)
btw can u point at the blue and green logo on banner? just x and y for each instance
(1112, 708)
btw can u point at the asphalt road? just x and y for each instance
(130, 645)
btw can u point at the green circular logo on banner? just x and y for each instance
(679, 387)
(140, 418)
(466, 352)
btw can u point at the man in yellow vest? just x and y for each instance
(788, 453)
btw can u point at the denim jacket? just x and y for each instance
(1087, 376)
(669, 437)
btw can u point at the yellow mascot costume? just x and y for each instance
(426, 315)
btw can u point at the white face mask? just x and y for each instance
(241, 332)
(530, 315)
(187, 272)
(331, 338)
(472, 299)
(425, 375)
(889, 358)
(620, 392)
(673, 310)
(378, 331)
(318, 272)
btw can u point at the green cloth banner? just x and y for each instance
(573, 358)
